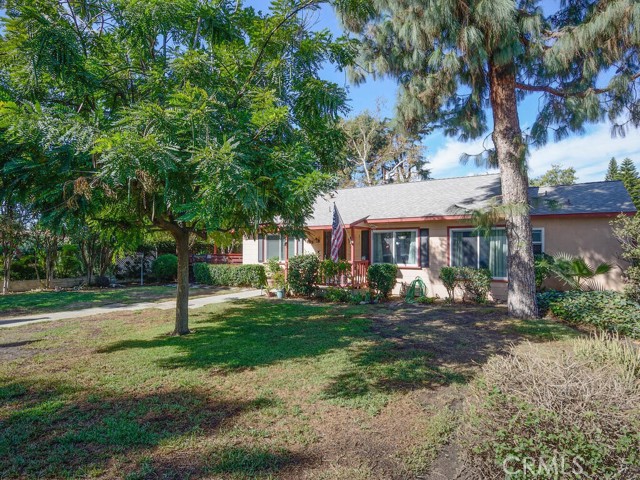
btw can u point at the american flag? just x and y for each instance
(337, 234)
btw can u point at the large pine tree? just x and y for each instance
(457, 59)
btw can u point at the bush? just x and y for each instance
(165, 268)
(610, 311)
(555, 407)
(626, 229)
(475, 283)
(382, 278)
(337, 294)
(101, 281)
(450, 280)
(425, 300)
(303, 274)
(69, 263)
(230, 275)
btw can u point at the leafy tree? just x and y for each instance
(612, 170)
(377, 152)
(626, 229)
(628, 175)
(13, 222)
(454, 61)
(556, 175)
(187, 117)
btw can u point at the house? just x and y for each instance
(424, 226)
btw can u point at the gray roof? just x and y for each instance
(455, 196)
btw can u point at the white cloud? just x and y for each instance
(589, 154)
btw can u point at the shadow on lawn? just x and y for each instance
(250, 334)
(428, 347)
(51, 430)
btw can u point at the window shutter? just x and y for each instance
(260, 248)
(365, 244)
(424, 247)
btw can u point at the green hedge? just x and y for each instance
(382, 278)
(230, 275)
(607, 310)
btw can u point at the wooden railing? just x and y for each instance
(218, 258)
(357, 279)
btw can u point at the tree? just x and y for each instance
(456, 60)
(628, 175)
(378, 152)
(187, 117)
(612, 170)
(626, 230)
(12, 233)
(556, 175)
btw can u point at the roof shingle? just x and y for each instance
(452, 196)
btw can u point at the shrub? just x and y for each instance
(230, 275)
(337, 294)
(382, 278)
(425, 300)
(165, 268)
(303, 274)
(555, 407)
(101, 281)
(450, 280)
(626, 229)
(610, 311)
(69, 263)
(475, 283)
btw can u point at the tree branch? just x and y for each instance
(565, 94)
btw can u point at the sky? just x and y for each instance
(588, 153)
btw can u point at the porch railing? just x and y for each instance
(357, 279)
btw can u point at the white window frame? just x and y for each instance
(467, 229)
(394, 231)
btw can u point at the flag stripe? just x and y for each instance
(337, 234)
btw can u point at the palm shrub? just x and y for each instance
(165, 268)
(575, 272)
(382, 278)
(303, 274)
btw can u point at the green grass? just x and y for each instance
(252, 393)
(49, 301)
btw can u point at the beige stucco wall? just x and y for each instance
(591, 238)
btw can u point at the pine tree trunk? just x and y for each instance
(510, 149)
(182, 298)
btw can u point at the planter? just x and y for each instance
(280, 293)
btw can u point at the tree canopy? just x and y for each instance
(556, 175)
(378, 152)
(189, 117)
(458, 61)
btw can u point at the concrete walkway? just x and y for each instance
(87, 312)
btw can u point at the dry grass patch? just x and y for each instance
(560, 412)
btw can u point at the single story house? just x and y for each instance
(426, 225)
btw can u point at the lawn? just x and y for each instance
(261, 389)
(51, 301)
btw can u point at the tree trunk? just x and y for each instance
(182, 297)
(511, 150)
(6, 272)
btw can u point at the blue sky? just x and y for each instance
(589, 153)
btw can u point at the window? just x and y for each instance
(275, 247)
(538, 241)
(470, 249)
(397, 247)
